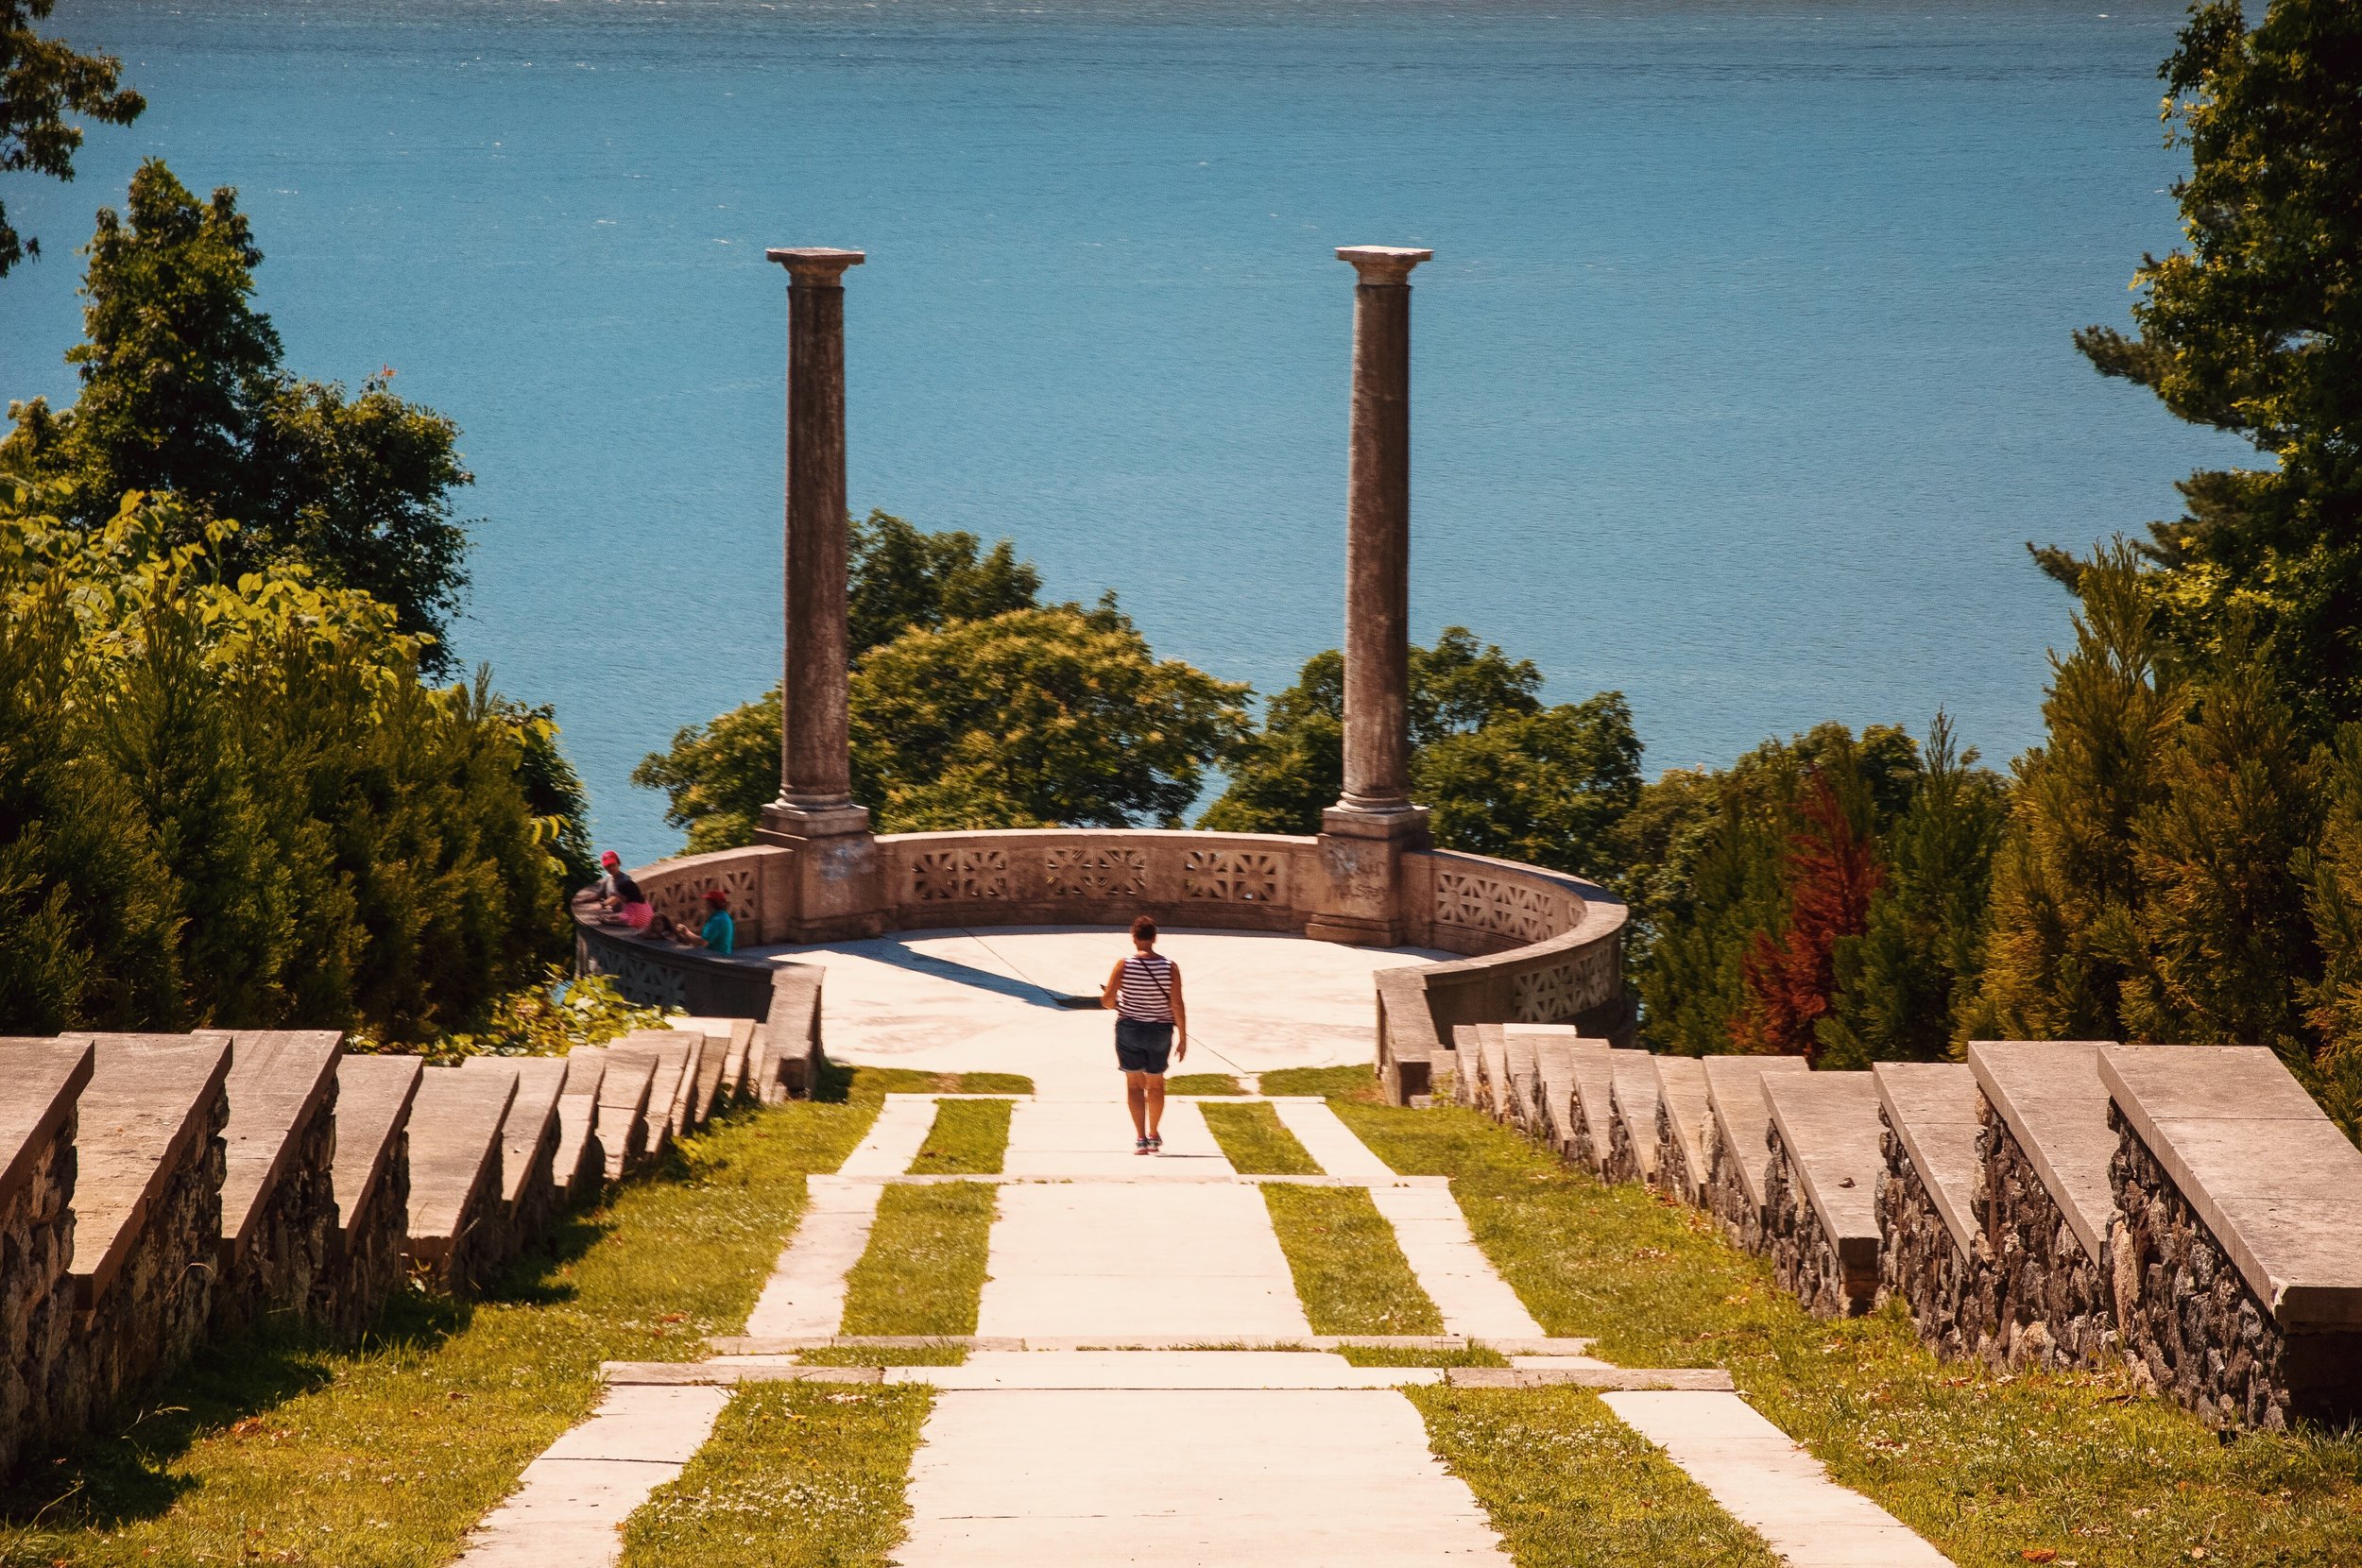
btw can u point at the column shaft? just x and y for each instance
(1378, 553)
(816, 740)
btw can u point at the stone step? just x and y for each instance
(278, 1189)
(1742, 1125)
(623, 1120)
(529, 1141)
(792, 1069)
(2238, 1274)
(39, 1082)
(2047, 1203)
(1820, 1187)
(1483, 1082)
(1555, 1085)
(688, 1103)
(1631, 1121)
(1683, 1114)
(146, 1217)
(667, 1051)
(1593, 1113)
(1929, 1253)
(723, 1077)
(579, 1168)
(456, 1167)
(1518, 1100)
(372, 1173)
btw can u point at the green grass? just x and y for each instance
(1349, 1271)
(1202, 1083)
(924, 1268)
(910, 1081)
(1337, 1083)
(968, 1138)
(286, 1451)
(797, 1476)
(1569, 1486)
(1389, 1355)
(1253, 1141)
(1990, 1467)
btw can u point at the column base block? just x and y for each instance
(837, 885)
(1361, 853)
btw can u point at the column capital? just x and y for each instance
(816, 265)
(1379, 263)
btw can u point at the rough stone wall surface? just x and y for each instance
(537, 1198)
(2191, 1326)
(369, 1264)
(279, 1280)
(1586, 1148)
(1727, 1199)
(476, 1251)
(2045, 1300)
(157, 1307)
(1673, 1177)
(1624, 1153)
(1803, 1258)
(36, 1297)
(1920, 1259)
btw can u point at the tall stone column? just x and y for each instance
(837, 889)
(1364, 836)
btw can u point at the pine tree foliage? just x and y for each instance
(1829, 871)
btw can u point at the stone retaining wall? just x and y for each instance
(1623, 1150)
(1804, 1258)
(284, 1274)
(2043, 1300)
(36, 1294)
(1727, 1197)
(371, 1261)
(1921, 1261)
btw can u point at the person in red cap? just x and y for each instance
(621, 896)
(720, 933)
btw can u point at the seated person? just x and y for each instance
(720, 933)
(621, 898)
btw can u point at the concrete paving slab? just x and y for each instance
(1770, 1484)
(2050, 1095)
(571, 1503)
(1314, 1478)
(1433, 1234)
(805, 1294)
(1741, 1115)
(1937, 1113)
(894, 1139)
(1161, 1370)
(1093, 1138)
(1329, 1141)
(279, 1079)
(1176, 1258)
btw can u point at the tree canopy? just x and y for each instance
(183, 391)
(42, 80)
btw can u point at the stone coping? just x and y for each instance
(2050, 1095)
(1554, 1072)
(2272, 1178)
(148, 1095)
(623, 1096)
(540, 1080)
(671, 1053)
(278, 1079)
(39, 1086)
(1829, 1121)
(1743, 1116)
(1523, 1066)
(1634, 1093)
(373, 1098)
(1681, 1091)
(1595, 1081)
(454, 1137)
(1936, 1111)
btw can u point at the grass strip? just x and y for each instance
(1202, 1083)
(1333, 1082)
(968, 1138)
(1993, 1468)
(1349, 1271)
(1388, 1356)
(797, 1476)
(1569, 1486)
(911, 1081)
(289, 1450)
(924, 1267)
(1253, 1141)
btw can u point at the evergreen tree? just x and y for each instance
(42, 81)
(1830, 869)
(2333, 877)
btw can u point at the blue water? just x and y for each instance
(1742, 368)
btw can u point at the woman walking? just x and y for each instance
(1151, 1025)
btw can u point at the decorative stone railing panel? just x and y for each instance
(1095, 876)
(755, 880)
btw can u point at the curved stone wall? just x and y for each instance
(1535, 946)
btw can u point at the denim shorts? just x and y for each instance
(1142, 1045)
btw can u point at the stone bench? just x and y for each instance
(276, 1254)
(2046, 1208)
(1632, 1120)
(1742, 1123)
(624, 1091)
(579, 1168)
(455, 1230)
(793, 1064)
(148, 1160)
(2237, 1269)
(1820, 1188)
(39, 1082)
(1593, 1109)
(529, 1139)
(1682, 1115)
(1930, 1252)
(371, 1175)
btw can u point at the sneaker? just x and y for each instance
(1156, 1143)
(1139, 1146)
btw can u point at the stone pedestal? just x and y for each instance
(1361, 854)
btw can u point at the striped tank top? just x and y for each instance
(1147, 991)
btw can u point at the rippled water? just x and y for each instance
(1742, 368)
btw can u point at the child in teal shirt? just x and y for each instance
(720, 933)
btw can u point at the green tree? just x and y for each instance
(2332, 874)
(183, 390)
(902, 577)
(2255, 328)
(42, 81)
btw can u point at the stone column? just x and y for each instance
(837, 878)
(1364, 836)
